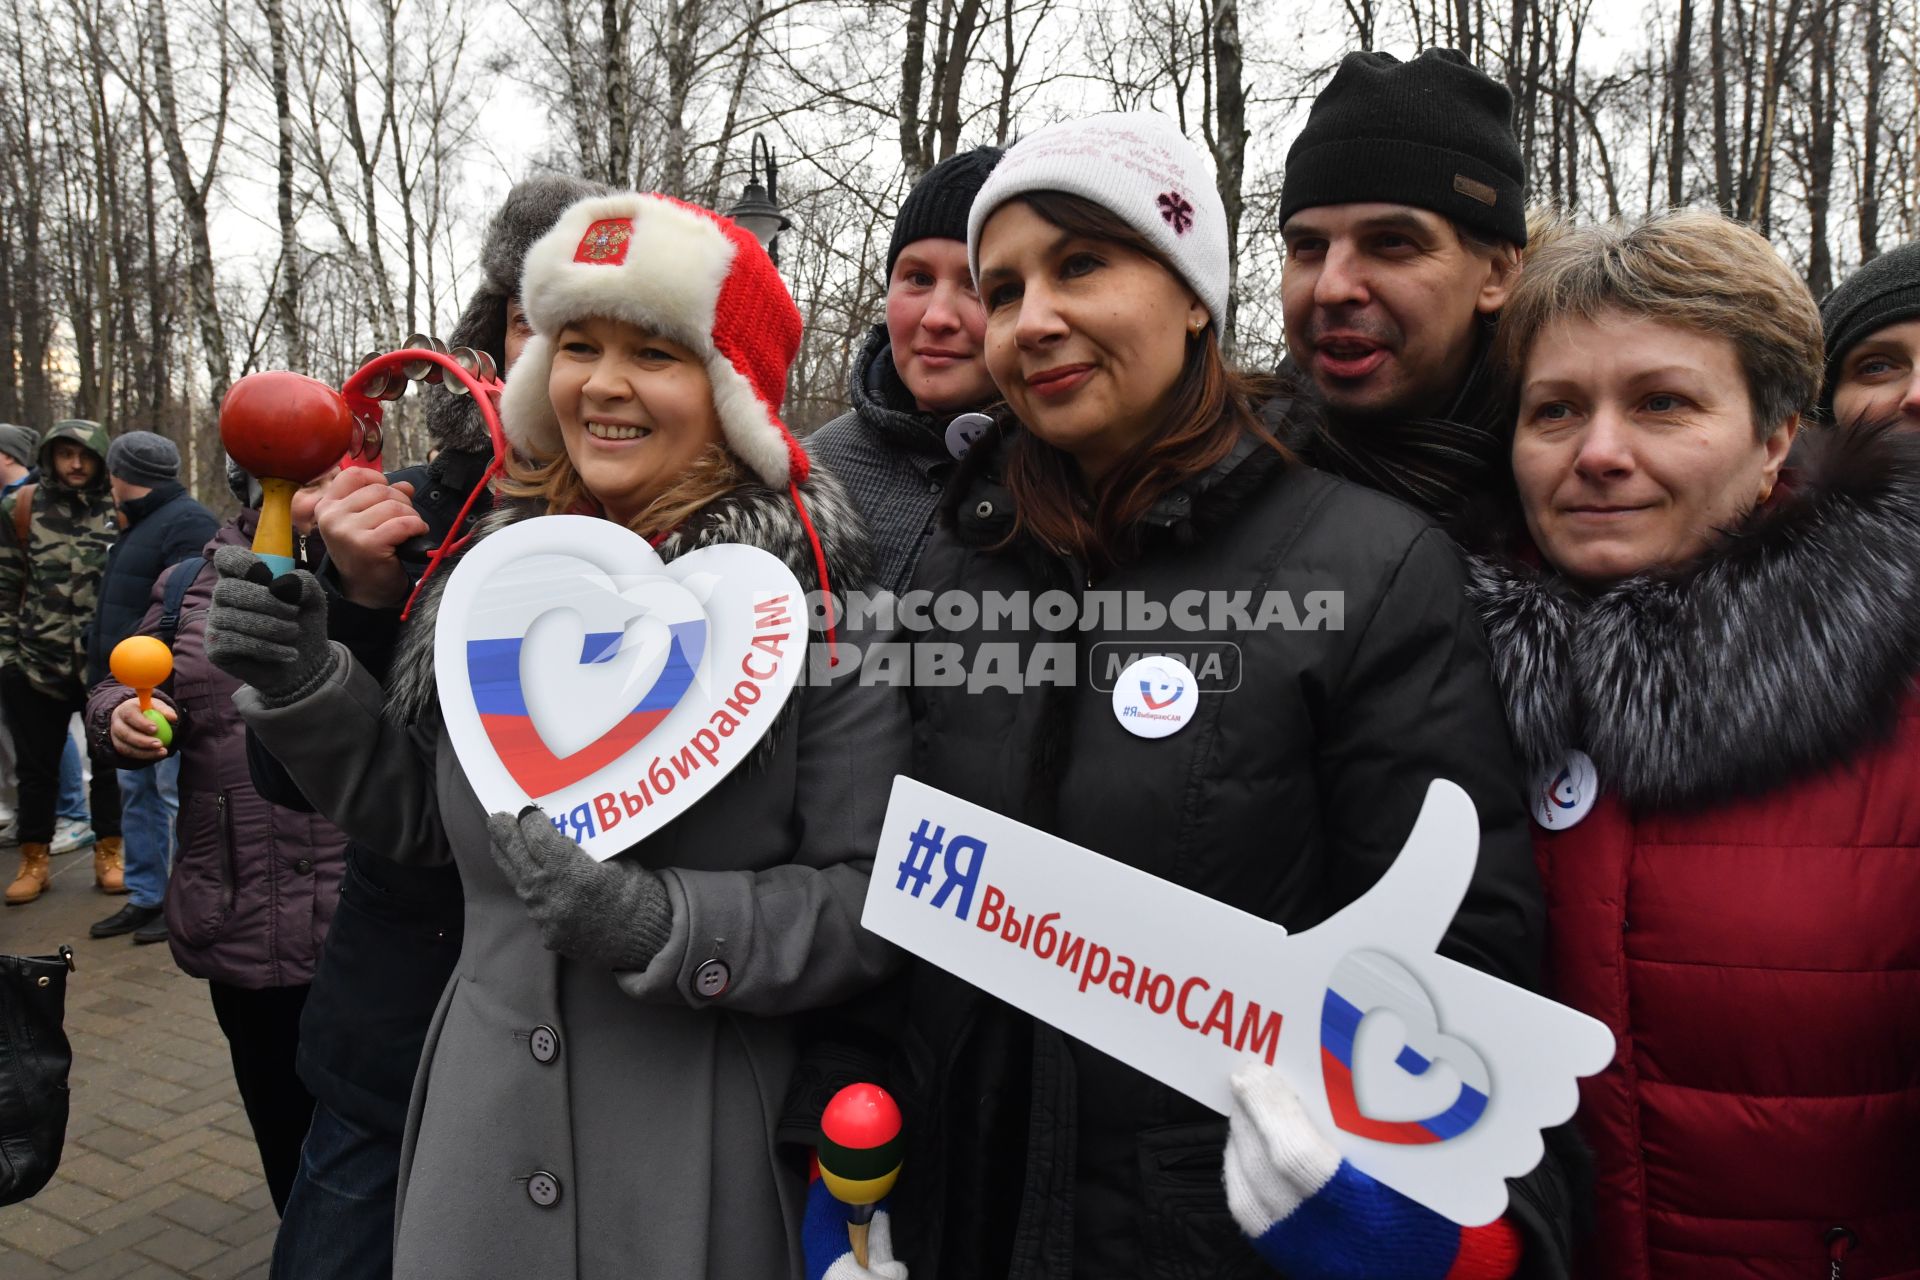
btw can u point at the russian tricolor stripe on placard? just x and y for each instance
(1339, 1022)
(493, 668)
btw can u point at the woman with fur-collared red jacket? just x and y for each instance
(600, 1089)
(1708, 655)
(1132, 466)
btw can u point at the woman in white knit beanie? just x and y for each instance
(1132, 466)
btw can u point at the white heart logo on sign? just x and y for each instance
(579, 672)
(1391, 1075)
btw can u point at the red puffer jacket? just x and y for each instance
(1742, 904)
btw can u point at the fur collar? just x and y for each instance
(752, 514)
(1786, 650)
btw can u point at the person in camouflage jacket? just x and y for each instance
(54, 538)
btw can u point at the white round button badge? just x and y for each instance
(1563, 794)
(964, 430)
(1155, 696)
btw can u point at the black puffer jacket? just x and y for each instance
(163, 528)
(1287, 795)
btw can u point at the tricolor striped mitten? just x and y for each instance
(1313, 1216)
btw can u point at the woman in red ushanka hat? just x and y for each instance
(600, 1088)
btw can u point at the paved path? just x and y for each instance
(160, 1177)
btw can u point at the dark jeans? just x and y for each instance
(39, 725)
(263, 1032)
(338, 1224)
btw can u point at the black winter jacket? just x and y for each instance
(163, 528)
(397, 930)
(1287, 795)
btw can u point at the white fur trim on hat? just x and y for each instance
(1139, 166)
(526, 410)
(667, 277)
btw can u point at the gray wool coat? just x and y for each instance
(569, 1121)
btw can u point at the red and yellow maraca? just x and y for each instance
(860, 1151)
(142, 664)
(284, 429)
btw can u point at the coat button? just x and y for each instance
(711, 978)
(543, 1189)
(544, 1044)
(303, 866)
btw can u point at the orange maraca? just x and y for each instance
(141, 663)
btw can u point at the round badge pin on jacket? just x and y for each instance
(1564, 794)
(1155, 696)
(964, 430)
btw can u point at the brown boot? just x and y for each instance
(32, 880)
(109, 872)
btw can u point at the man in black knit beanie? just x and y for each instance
(1403, 219)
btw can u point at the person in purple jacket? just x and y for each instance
(254, 884)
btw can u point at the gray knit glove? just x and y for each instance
(268, 632)
(613, 913)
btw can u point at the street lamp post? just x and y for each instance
(758, 209)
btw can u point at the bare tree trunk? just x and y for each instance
(953, 72)
(1682, 76)
(1757, 207)
(683, 33)
(193, 194)
(288, 302)
(1009, 71)
(1360, 13)
(1564, 109)
(913, 71)
(366, 160)
(9, 335)
(1870, 146)
(614, 26)
(1527, 105)
(1823, 99)
(1722, 152)
(1516, 31)
(106, 209)
(156, 374)
(1229, 149)
(744, 67)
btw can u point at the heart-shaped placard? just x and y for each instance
(579, 672)
(1391, 1075)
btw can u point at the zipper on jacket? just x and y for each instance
(1840, 1242)
(226, 850)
